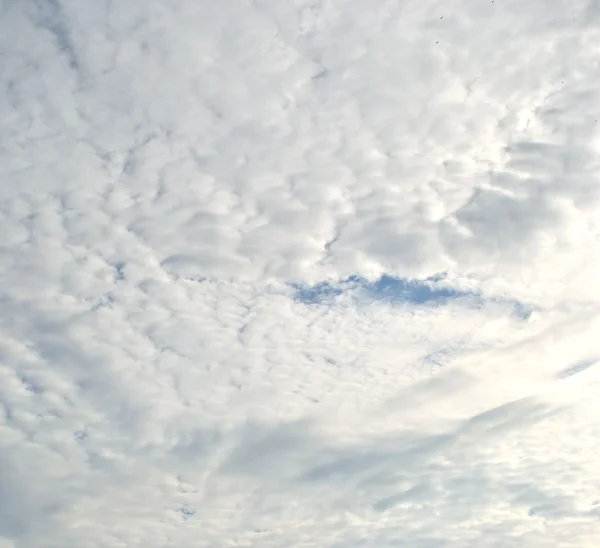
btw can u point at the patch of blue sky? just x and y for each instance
(428, 292)
(387, 288)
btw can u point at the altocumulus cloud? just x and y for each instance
(299, 273)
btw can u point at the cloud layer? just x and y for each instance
(295, 274)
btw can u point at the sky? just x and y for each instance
(307, 273)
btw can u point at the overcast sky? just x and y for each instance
(292, 274)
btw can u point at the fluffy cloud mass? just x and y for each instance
(312, 273)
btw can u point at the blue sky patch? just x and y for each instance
(427, 292)
(386, 288)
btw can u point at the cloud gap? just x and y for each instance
(396, 290)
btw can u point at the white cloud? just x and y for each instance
(195, 199)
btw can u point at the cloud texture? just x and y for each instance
(312, 273)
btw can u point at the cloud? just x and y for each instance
(292, 274)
